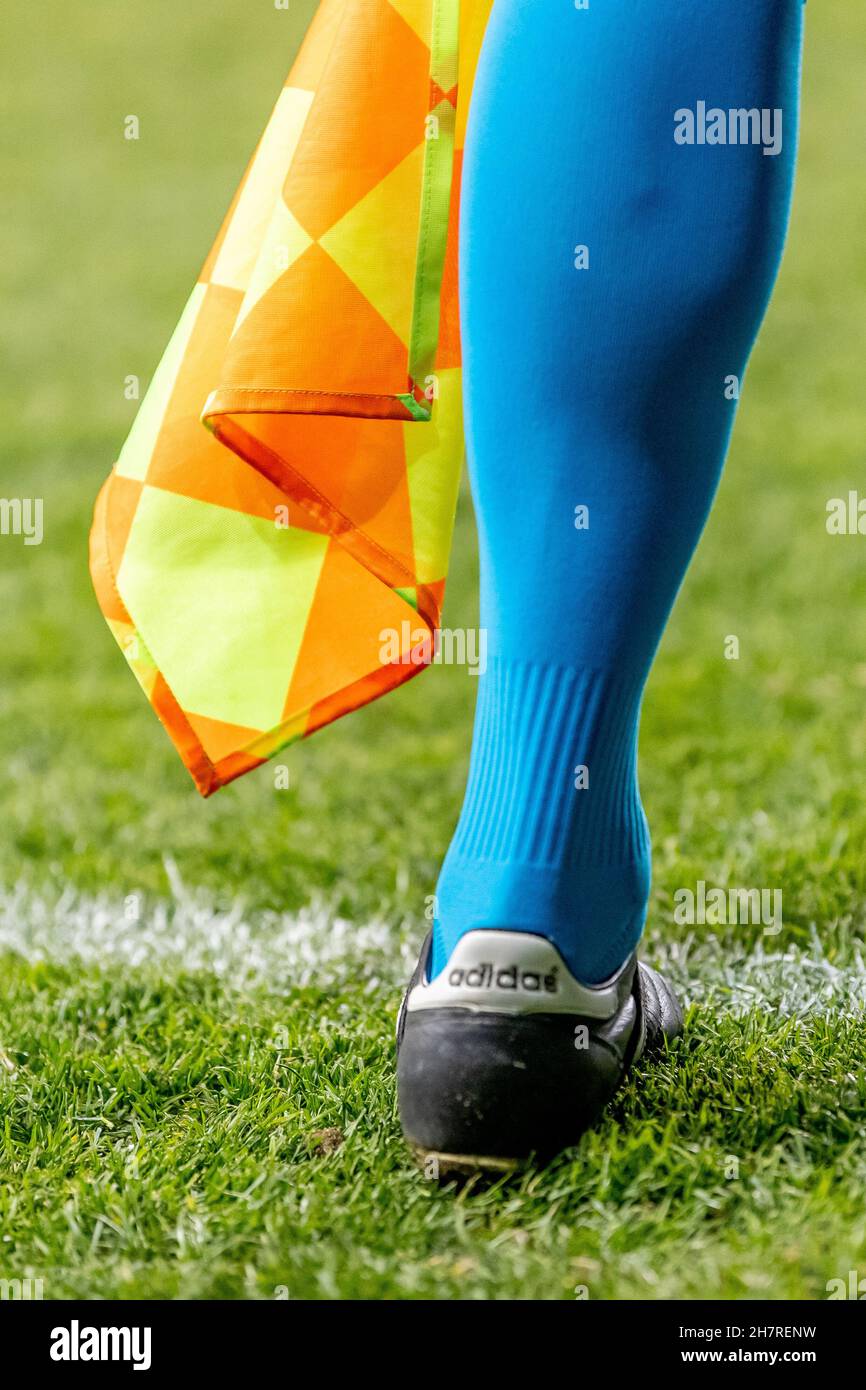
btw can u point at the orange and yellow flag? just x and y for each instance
(286, 495)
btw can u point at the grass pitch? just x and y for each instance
(197, 1000)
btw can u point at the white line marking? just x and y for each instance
(188, 933)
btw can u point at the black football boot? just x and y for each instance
(506, 1055)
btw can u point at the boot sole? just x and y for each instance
(445, 1167)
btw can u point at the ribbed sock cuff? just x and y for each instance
(552, 837)
(537, 728)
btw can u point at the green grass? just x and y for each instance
(174, 1036)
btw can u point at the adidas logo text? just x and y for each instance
(490, 976)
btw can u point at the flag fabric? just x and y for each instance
(270, 550)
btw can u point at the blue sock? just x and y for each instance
(600, 379)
